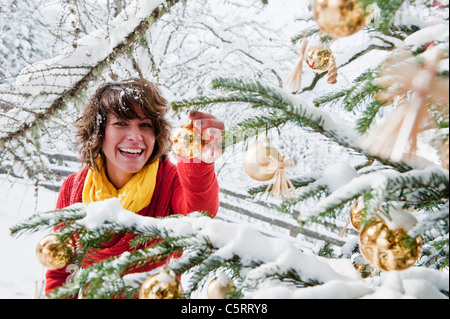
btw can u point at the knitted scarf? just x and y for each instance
(134, 195)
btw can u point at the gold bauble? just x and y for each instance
(261, 161)
(218, 290)
(318, 58)
(386, 249)
(365, 270)
(53, 254)
(186, 142)
(164, 285)
(339, 17)
(356, 215)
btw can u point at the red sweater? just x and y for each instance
(180, 189)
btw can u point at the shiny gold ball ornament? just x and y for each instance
(220, 287)
(388, 249)
(164, 285)
(356, 215)
(186, 142)
(318, 58)
(261, 161)
(340, 17)
(53, 254)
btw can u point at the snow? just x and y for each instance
(19, 268)
(21, 271)
(91, 49)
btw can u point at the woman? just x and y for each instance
(123, 137)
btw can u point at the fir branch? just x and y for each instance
(48, 220)
(387, 12)
(430, 222)
(368, 116)
(297, 182)
(253, 126)
(380, 187)
(313, 190)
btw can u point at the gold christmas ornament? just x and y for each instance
(340, 17)
(186, 142)
(164, 285)
(386, 249)
(318, 58)
(355, 218)
(220, 287)
(356, 215)
(53, 254)
(263, 162)
(363, 268)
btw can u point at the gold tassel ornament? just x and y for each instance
(397, 138)
(294, 81)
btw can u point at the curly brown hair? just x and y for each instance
(118, 98)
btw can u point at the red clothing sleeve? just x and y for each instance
(196, 188)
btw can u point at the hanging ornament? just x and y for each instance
(356, 215)
(186, 142)
(294, 81)
(332, 71)
(397, 139)
(340, 17)
(53, 254)
(220, 287)
(386, 249)
(356, 218)
(263, 162)
(164, 285)
(363, 267)
(318, 56)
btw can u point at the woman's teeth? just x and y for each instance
(133, 151)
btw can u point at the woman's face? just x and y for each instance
(127, 146)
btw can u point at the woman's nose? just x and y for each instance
(134, 133)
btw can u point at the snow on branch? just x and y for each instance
(44, 88)
(384, 185)
(209, 244)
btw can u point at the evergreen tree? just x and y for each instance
(402, 189)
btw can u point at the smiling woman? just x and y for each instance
(123, 138)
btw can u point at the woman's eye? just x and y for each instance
(119, 123)
(149, 125)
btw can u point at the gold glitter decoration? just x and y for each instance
(356, 215)
(164, 285)
(53, 254)
(186, 142)
(386, 249)
(340, 17)
(318, 59)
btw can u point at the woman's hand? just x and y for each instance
(210, 129)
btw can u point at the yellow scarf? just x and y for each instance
(134, 195)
